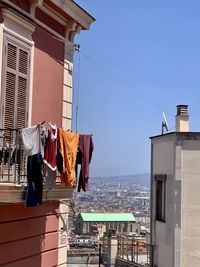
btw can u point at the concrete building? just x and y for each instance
(175, 197)
(119, 222)
(36, 65)
(145, 219)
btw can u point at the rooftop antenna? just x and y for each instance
(164, 124)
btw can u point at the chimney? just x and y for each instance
(182, 119)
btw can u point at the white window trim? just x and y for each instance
(19, 30)
(8, 39)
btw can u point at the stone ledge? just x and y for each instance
(11, 193)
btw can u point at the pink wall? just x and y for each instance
(50, 22)
(29, 236)
(47, 78)
(24, 4)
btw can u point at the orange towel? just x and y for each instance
(68, 146)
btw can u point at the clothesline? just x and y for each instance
(55, 149)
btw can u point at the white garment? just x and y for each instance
(31, 140)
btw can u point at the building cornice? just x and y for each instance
(176, 137)
(74, 11)
(71, 29)
(33, 5)
(15, 18)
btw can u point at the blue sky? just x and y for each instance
(139, 58)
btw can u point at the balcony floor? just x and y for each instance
(12, 193)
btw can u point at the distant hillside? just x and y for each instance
(143, 178)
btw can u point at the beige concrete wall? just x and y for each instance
(177, 241)
(190, 211)
(163, 163)
(163, 158)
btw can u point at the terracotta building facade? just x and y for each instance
(36, 65)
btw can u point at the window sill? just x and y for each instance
(161, 221)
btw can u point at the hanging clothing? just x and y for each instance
(7, 154)
(16, 156)
(84, 156)
(31, 140)
(68, 146)
(34, 181)
(59, 161)
(50, 178)
(43, 137)
(1, 156)
(50, 149)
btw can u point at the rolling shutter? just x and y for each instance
(15, 106)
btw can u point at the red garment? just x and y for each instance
(50, 149)
(86, 148)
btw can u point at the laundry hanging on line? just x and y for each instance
(50, 153)
(68, 147)
(60, 151)
(84, 156)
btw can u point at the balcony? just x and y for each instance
(123, 251)
(133, 252)
(13, 171)
(118, 251)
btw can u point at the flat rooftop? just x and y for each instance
(107, 217)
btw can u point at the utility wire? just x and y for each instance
(153, 82)
(124, 84)
(78, 90)
(76, 82)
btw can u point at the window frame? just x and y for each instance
(21, 29)
(160, 207)
(9, 39)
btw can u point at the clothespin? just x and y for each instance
(42, 122)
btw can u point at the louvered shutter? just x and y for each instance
(15, 84)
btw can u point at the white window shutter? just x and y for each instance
(21, 102)
(9, 105)
(16, 83)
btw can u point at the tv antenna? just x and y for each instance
(164, 124)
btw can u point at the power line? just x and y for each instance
(76, 77)
(153, 82)
(78, 90)
(127, 86)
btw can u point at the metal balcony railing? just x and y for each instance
(135, 251)
(12, 159)
(127, 252)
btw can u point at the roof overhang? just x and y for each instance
(72, 11)
(175, 136)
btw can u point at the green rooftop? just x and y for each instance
(107, 217)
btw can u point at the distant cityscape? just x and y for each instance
(118, 205)
(129, 194)
(116, 194)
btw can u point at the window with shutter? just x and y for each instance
(160, 196)
(15, 84)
